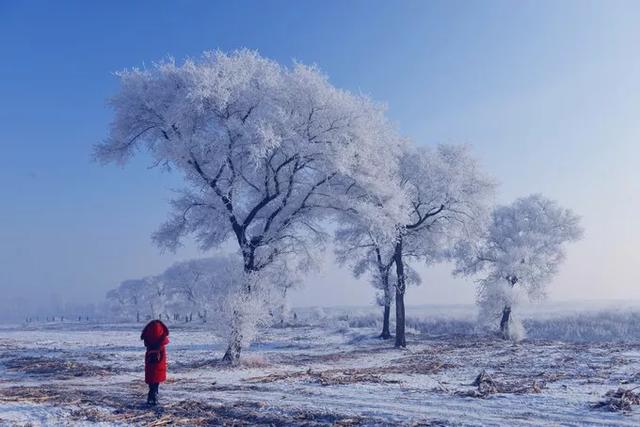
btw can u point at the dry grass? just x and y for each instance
(95, 406)
(487, 386)
(55, 367)
(618, 400)
(326, 377)
(374, 374)
(420, 364)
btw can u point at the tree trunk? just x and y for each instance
(400, 289)
(400, 337)
(234, 349)
(506, 311)
(232, 354)
(384, 275)
(385, 335)
(504, 322)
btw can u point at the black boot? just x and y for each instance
(154, 394)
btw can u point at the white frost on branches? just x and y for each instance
(267, 152)
(270, 155)
(520, 250)
(213, 288)
(446, 195)
(441, 194)
(128, 299)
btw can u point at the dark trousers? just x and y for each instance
(152, 397)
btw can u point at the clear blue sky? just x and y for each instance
(548, 92)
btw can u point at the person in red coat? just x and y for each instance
(156, 337)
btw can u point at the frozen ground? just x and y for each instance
(328, 369)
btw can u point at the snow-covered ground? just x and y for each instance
(329, 368)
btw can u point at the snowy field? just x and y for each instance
(329, 369)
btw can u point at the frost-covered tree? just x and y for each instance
(117, 303)
(128, 299)
(365, 253)
(213, 286)
(192, 284)
(145, 297)
(446, 195)
(442, 194)
(266, 152)
(368, 253)
(155, 297)
(523, 245)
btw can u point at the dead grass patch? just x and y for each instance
(620, 400)
(353, 375)
(94, 406)
(55, 368)
(486, 386)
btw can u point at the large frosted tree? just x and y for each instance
(447, 195)
(267, 152)
(523, 246)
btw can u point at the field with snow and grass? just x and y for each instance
(328, 368)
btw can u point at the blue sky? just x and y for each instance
(547, 92)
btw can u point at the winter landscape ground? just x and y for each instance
(328, 368)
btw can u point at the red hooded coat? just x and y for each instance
(156, 337)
